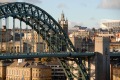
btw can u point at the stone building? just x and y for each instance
(3, 65)
(76, 41)
(28, 42)
(5, 34)
(57, 71)
(82, 44)
(28, 71)
(115, 72)
(115, 47)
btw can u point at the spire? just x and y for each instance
(66, 21)
(63, 22)
(62, 16)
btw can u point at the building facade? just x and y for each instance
(29, 41)
(115, 46)
(118, 37)
(3, 65)
(28, 71)
(57, 71)
(116, 72)
(82, 43)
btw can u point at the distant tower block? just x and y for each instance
(63, 23)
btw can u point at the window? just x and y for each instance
(33, 75)
(36, 74)
(17, 48)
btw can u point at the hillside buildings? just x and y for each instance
(80, 37)
(28, 41)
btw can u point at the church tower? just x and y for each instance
(63, 23)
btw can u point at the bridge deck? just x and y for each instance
(58, 54)
(114, 54)
(40, 55)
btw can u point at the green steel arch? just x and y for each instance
(37, 18)
(46, 25)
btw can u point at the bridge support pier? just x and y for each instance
(102, 63)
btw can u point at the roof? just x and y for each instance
(28, 65)
(115, 43)
(53, 63)
(16, 64)
(37, 65)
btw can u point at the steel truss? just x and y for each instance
(49, 29)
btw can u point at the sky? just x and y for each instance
(86, 13)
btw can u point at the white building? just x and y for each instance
(110, 24)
